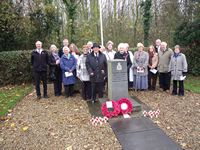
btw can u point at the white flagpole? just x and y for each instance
(101, 24)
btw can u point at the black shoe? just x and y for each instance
(45, 96)
(180, 94)
(38, 97)
(174, 94)
(58, 95)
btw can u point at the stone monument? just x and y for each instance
(117, 79)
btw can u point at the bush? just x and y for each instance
(188, 36)
(15, 67)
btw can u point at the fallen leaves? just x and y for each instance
(55, 123)
(12, 125)
(69, 148)
(25, 128)
(180, 117)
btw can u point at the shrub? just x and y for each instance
(15, 67)
(188, 36)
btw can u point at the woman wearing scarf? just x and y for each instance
(153, 63)
(178, 68)
(140, 71)
(122, 55)
(55, 70)
(68, 66)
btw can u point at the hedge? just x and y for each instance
(15, 67)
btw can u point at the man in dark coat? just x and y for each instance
(39, 61)
(65, 43)
(96, 65)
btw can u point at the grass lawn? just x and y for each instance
(9, 96)
(192, 84)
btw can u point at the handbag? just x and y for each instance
(52, 76)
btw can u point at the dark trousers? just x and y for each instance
(86, 90)
(165, 79)
(69, 90)
(152, 78)
(40, 76)
(97, 86)
(181, 88)
(58, 84)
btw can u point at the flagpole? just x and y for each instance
(101, 24)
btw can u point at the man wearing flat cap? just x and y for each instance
(96, 65)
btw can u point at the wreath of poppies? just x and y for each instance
(123, 106)
(110, 114)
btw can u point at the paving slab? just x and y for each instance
(140, 133)
(147, 140)
(138, 124)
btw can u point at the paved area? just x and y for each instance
(137, 132)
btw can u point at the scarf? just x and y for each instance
(55, 55)
(176, 55)
(151, 54)
(68, 56)
(138, 55)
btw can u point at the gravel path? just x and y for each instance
(179, 117)
(56, 123)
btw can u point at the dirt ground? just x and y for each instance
(179, 117)
(56, 123)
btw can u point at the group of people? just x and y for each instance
(67, 65)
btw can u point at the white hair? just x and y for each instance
(53, 46)
(126, 45)
(140, 45)
(158, 40)
(121, 45)
(67, 48)
(38, 42)
(89, 43)
(164, 43)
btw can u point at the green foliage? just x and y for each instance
(192, 84)
(188, 35)
(9, 96)
(11, 27)
(146, 5)
(15, 67)
(71, 7)
(46, 24)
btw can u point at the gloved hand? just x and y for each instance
(184, 73)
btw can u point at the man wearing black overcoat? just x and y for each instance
(96, 65)
(39, 62)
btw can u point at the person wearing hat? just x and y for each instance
(140, 70)
(68, 66)
(96, 65)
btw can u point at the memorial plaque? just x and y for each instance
(117, 79)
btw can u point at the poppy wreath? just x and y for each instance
(110, 114)
(125, 105)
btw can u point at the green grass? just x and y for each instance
(192, 84)
(9, 96)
